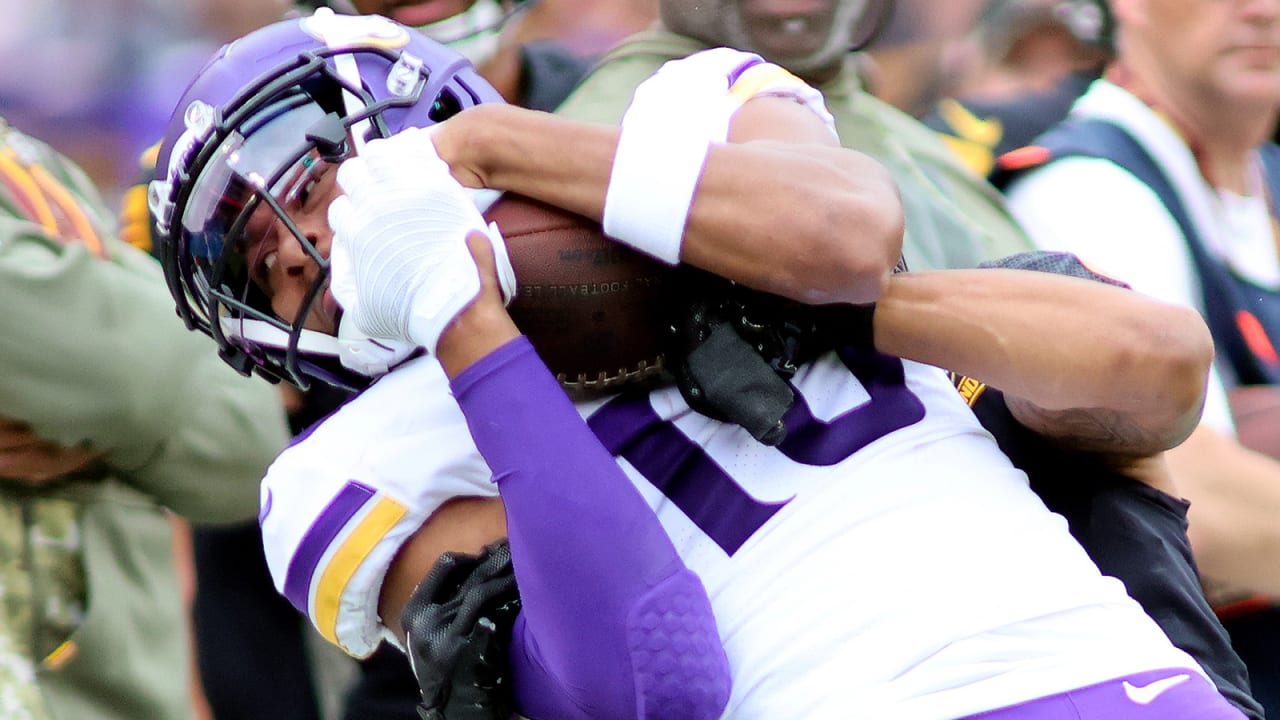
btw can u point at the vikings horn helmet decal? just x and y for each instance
(261, 112)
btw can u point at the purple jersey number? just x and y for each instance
(718, 505)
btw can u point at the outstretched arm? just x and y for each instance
(765, 203)
(1095, 367)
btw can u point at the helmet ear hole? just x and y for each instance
(445, 106)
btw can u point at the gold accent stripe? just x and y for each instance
(970, 390)
(756, 77)
(73, 210)
(346, 560)
(27, 184)
(60, 656)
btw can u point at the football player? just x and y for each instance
(883, 473)
(1137, 532)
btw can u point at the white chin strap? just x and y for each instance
(355, 350)
(368, 356)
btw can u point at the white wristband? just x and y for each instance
(651, 187)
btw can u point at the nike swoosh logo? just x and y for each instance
(1147, 694)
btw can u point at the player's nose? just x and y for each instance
(296, 252)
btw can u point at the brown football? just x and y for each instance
(593, 308)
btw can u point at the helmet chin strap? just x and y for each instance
(357, 351)
(259, 332)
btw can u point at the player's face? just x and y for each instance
(279, 264)
(1224, 50)
(414, 13)
(808, 37)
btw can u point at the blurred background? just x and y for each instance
(98, 78)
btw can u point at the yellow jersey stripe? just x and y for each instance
(346, 560)
(760, 76)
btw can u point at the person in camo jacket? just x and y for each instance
(115, 416)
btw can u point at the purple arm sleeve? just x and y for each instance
(613, 624)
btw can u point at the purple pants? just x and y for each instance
(1153, 695)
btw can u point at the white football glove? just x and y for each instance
(400, 265)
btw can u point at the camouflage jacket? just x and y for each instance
(92, 354)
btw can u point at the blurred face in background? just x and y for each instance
(471, 27)
(414, 12)
(926, 51)
(1213, 51)
(808, 37)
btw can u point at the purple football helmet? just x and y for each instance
(260, 112)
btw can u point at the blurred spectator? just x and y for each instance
(1163, 175)
(111, 421)
(585, 27)
(924, 52)
(97, 79)
(531, 51)
(1030, 45)
(1037, 57)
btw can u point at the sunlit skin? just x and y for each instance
(1222, 48)
(279, 264)
(1213, 66)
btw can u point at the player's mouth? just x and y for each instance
(788, 27)
(1260, 56)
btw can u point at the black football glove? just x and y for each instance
(732, 349)
(458, 630)
(720, 373)
(1058, 263)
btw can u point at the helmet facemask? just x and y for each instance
(235, 167)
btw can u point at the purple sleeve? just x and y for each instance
(613, 624)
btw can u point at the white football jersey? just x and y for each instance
(885, 561)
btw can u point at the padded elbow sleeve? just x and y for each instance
(680, 668)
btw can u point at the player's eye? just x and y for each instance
(304, 192)
(320, 177)
(301, 180)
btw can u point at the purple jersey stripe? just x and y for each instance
(745, 66)
(628, 427)
(892, 406)
(297, 584)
